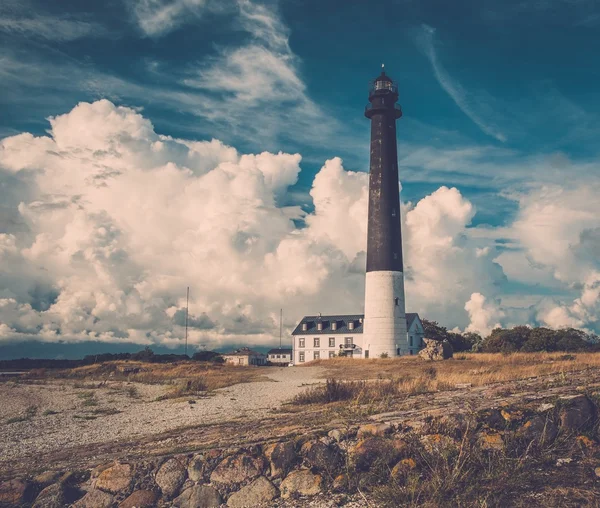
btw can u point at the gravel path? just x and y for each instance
(66, 415)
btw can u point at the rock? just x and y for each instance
(340, 483)
(364, 454)
(585, 442)
(258, 493)
(170, 477)
(542, 408)
(437, 442)
(561, 462)
(198, 496)
(16, 492)
(436, 350)
(57, 496)
(47, 478)
(282, 457)
(337, 434)
(115, 479)
(75, 477)
(374, 429)
(597, 472)
(538, 429)
(323, 457)
(102, 467)
(197, 468)
(95, 499)
(493, 418)
(237, 469)
(301, 482)
(140, 499)
(577, 414)
(403, 467)
(491, 441)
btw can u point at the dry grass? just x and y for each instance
(380, 379)
(188, 377)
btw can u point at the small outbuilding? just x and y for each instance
(280, 356)
(245, 356)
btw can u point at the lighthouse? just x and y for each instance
(385, 331)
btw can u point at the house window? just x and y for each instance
(301, 358)
(411, 341)
(331, 341)
(240, 361)
(301, 342)
(347, 341)
(279, 356)
(366, 353)
(317, 342)
(396, 301)
(317, 355)
(331, 354)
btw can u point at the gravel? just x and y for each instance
(83, 414)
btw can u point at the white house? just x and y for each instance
(322, 337)
(281, 356)
(245, 356)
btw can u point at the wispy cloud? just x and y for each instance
(463, 99)
(51, 28)
(159, 17)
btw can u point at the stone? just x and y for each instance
(140, 499)
(115, 479)
(585, 442)
(16, 492)
(437, 442)
(538, 429)
(102, 467)
(198, 496)
(597, 472)
(47, 478)
(323, 457)
(57, 496)
(374, 429)
(493, 418)
(197, 468)
(259, 492)
(403, 467)
(337, 434)
(577, 414)
(282, 458)
(301, 482)
(75, 477)
(340, 483)
(436, 350)
(237, 469)
(95, 499)
(369, 450)
(170, 477)
(491, 441)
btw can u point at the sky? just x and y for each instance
(151, 145)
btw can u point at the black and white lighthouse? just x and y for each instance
(385, 320)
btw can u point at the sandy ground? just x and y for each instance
(83, 413)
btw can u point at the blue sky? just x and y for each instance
(500, 102)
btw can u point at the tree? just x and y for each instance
(506, 341)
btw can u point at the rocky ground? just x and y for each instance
(533, 442)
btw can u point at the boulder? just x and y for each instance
(302, 483)
(282, 458)
(197, 468)
(403, 467)
(95, 499)
(338, 434)
(47, 478)
(491, 441)
(198, 496)
(115, 479)
(577, 414)
(170, 477)
(17, 492)
(437, 442)
(323, 457)
(140, 499)
(436, 350)
(369, 450)
(539, 429)
(75, 477)
(374, 429)
(238, 469)
(260, 492)
(57, 496)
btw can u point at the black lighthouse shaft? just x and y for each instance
(384, 242)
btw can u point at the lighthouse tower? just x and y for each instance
(385, 318)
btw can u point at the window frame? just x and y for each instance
(331, 341)
(316, 355)
(301, 357)
(317, 342)
(301, 342)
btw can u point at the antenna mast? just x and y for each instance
(187, 304)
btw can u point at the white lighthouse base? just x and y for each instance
(384, 327)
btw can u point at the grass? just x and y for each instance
(207, 376)
(381, 379)
(49, 412)
(30, 412)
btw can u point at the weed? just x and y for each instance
(30, 412)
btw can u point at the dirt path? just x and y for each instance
(68, 417)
